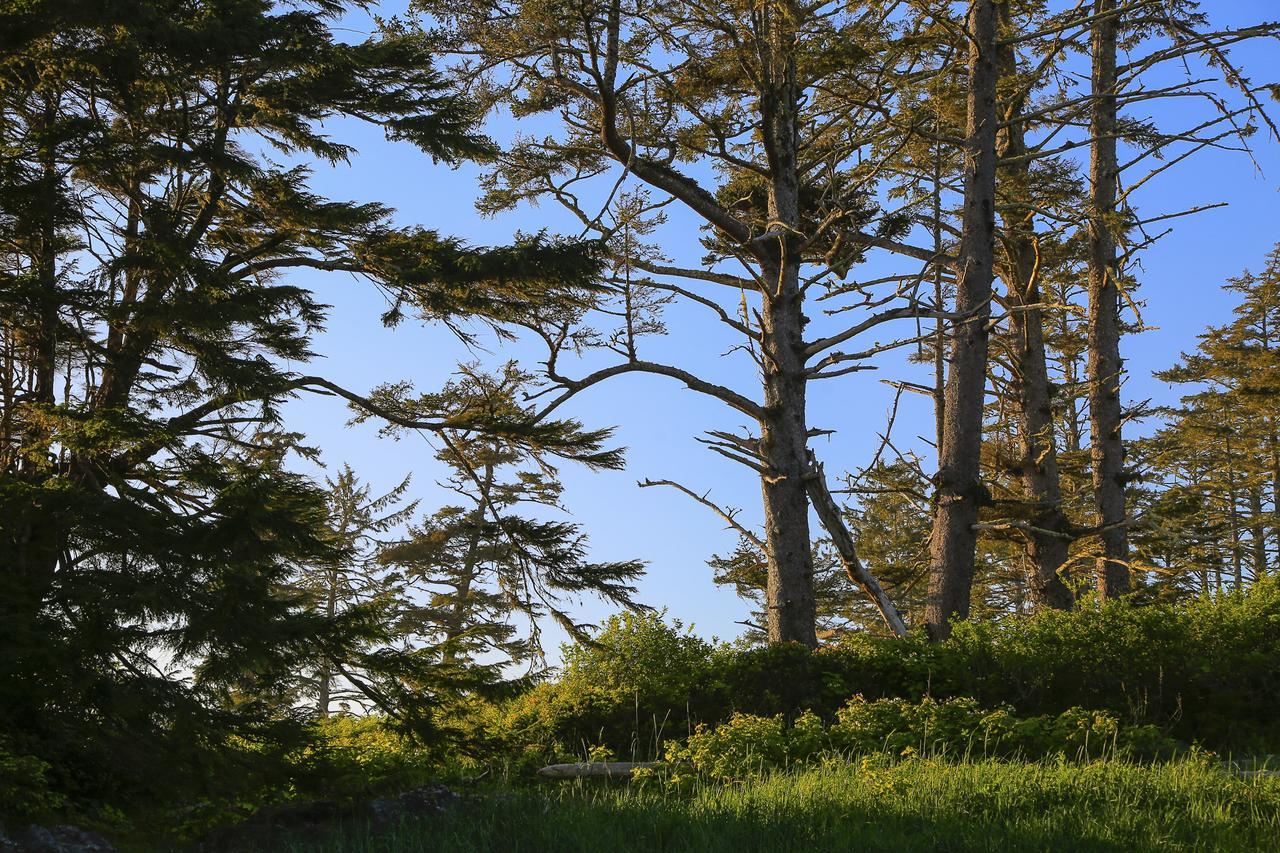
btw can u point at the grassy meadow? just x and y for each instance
(872, 804)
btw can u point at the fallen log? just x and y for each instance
(593, 770)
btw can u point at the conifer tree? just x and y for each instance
(359, 524)
(960, 493)
(1219, 448)
(478, 578)
(147, 513)
(767, 122)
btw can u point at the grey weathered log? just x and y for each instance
(829, 514)
(593, 770)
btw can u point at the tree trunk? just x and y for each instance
(959, 489)
(457, 619)
(324, 674)
(32, 548)
(1105, 368)
(792, 613)
(1257, 534)
(1047, 546)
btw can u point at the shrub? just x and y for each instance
(629, 690)
(24, 788)
(749, 745)
(356, 757)
(1203, 671)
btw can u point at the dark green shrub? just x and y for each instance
(749, 745)
(1204, 671)
(24, 786)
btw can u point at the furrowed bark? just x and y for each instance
(1105, 368)
(959, 491)
(1045, 553)
(792, 613)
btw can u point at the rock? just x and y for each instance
(427, 800)
(317, 819)
(56, 839)
(309, 820)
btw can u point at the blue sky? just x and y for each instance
(658, 420)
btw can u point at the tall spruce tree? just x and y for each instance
(770, 123)
(149, 526)
(960, 493)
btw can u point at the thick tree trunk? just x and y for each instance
(959, 490)
(792, 613)
(1105, 368)
(1047, 545)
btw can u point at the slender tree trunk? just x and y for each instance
(1233, 517)
(1257, 534)
(1105, 368)
(457, 619)
(1047, 547)
(959, 490)
(1273, 446)
(324, 677)
(832, 519)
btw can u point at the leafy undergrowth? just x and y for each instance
(872, 804)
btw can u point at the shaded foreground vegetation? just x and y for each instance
(1190, 685)
(1201, 672)
(917, 804)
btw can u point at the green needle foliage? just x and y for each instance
(1213, 471)
(150, 530)
(490, 568)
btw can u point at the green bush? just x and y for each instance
(24, 786)
(357, 757)
(1204, 671)
(630, 689)
(748, 745)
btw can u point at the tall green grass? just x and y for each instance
(875, 804)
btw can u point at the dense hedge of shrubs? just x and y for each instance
(747, 744)
(1204, 672)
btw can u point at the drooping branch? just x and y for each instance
(833, 520)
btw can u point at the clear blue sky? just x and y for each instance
(657, 419)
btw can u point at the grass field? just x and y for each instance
(906, 805)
